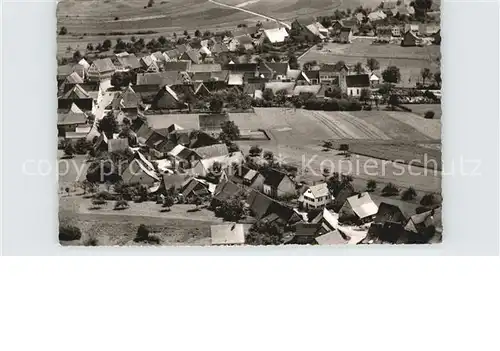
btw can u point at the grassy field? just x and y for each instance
(289, 9)
(421, 109)
(410, 60)
(180, 226)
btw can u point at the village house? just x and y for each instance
(101, 69)
(357, 82)
(345, 35)
(166, 99)
(374, 80)
(303, 234)
(334, 74)
(278, 184)
(268, 210)
(138, 173)
(359, 208)
(192, 56)
(227, 234)
(315, 196)
(215, 150)
(274, 70)
(196, 188)
(410, 38)
(78, 96)
(126, 62)
(334, 237)
(384, 34)
(308, 29)
(204, 166)
(224, 192)
(248, 177)
(275, 35)
(70, 119)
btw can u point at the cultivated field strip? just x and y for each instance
(338, 133)
(428, 127)
(345, 126)
(369, 130)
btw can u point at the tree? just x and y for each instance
(293, 62)
(429, 115)
(197, 33)
(365, 95)
(268, 94)
(230, 131)
(151, 3)
(255, 151)
(168, 202)
(207, 33)
(142, 233)
(268, 155)
(390, 190)
(426, 74)
(233, 147)
(391, 74)
(106, 45)
(108, 125)
(232, 209)
(408, 194)
(121, 205)
(339, 65)
(326, 22)
(437, 78)
(371, 185)
(358, 68)
(69, 233)
(77, 55)
(325, 172)
(162, 40)
(308, 65)
(429, 200)
(393, 101)
(264, 234)
(198, 202)
(90, 47)
(216, 104)
(69, 150)
(186, 33)
(63, 31)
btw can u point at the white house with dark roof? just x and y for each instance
(316, 196)
(357, 82)
(101, 69)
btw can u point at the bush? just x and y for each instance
(91, 240)
(142, 233)
(390, 190)
(371, 185)
(69, 233)
(429, 115)
(255, 151)
(408, 194)
(430, 200)
(63, 31)
(121, 205)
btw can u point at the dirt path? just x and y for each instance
(250, 12)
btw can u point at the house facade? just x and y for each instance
(356, 83)
(278, 185)
(316, 196)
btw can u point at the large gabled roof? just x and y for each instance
(273, 177)
(104, 65)
(77, 92)
(358, 81)
(363, 205)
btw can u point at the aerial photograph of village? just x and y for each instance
(261, 122)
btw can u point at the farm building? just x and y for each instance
(345, 35)
(316, 196)
(278, 184)
(228, 234)
(126, 61)
(138, 173)
(209, 151)
(101, 69)
(76, 95)
(410, 38)
(355, 83)
(202, 167)
(308, 29)
(248, 177)
(267, 210)
(68, 120)
(332, 238)
(192, 56)
(358, 209)
(304, 234)
(224, 192)
(166, 99)
(275, 35)
(177, 66)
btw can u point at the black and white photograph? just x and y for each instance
(261, 122)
